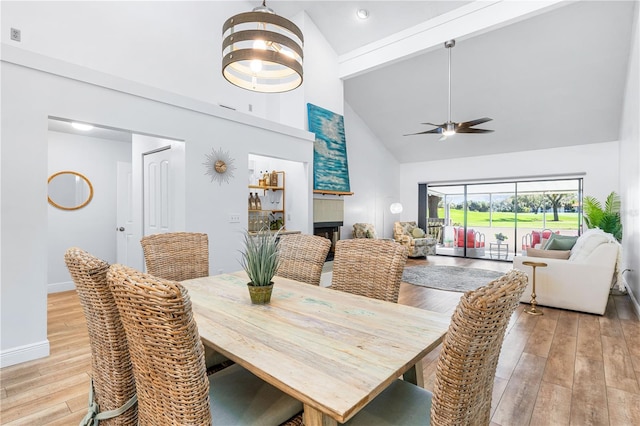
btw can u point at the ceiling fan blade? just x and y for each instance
(474, 122)
(434, 125)
(472, 130)
(437, 130)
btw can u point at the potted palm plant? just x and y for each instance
(260, 261)
(605, 217)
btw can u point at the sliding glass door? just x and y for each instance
(499, 220)
(550, 208)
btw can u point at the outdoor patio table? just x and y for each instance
(499, 250)
(331, 350)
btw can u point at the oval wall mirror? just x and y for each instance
(69, 190)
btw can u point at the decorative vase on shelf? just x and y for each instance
(260, 261)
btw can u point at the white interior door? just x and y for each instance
(157, 193)
(126, 243)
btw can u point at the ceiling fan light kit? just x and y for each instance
(450, 128)
(262, 51)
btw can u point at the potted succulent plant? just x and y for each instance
(260, 261)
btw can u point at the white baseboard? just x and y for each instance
(60, 287)
(24, 353)
(634, 301)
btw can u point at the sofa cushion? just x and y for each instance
(417, 233)
(560, 242)
(549, 254)
(536, 236)
(588, 242)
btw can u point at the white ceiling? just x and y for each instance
(345, 32)
(554, 79)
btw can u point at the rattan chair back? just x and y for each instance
(165, 348)
(176, 256)
(112, 373)
(369, 267)
(302, 257)
(470, 351)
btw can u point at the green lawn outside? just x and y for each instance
(505, 219)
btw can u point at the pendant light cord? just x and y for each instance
(449, 118)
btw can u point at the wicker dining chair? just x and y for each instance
(168, 362)
(112, 382)
(302, 257)
(466, 366)
(180, 256)
(176, 256)
(369, 267)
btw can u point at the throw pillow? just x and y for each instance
(417, 233)
(549, 254)
(560, 242)
(588, 242)
(369, 234)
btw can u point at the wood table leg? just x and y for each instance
(313, 417)
(415, 374)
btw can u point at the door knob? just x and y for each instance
(121, 229)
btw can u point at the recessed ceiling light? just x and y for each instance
(362, 13)
(81, 126)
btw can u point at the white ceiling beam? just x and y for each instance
(470, 20)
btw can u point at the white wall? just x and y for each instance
(34, 95)
(629, 170)
(374, 175)
(91, 227)
(172, 45)
(322, 85)
(121, 39)
(596, 161)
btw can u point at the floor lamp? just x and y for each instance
(395, 208)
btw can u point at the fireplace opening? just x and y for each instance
(330, 231)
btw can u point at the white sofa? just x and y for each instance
(582, 284)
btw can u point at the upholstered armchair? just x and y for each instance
(364, 230)
(434, 230)
(414, 238)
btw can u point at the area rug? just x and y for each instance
(450, 278)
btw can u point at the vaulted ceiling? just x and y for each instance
(554, 78)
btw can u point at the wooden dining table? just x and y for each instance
(331, 350)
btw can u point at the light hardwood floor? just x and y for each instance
(563, 368)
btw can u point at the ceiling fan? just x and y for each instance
(450, 128)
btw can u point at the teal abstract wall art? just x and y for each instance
(330, 166)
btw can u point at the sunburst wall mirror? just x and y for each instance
(219, 165)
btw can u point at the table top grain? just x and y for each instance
(331, 350)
